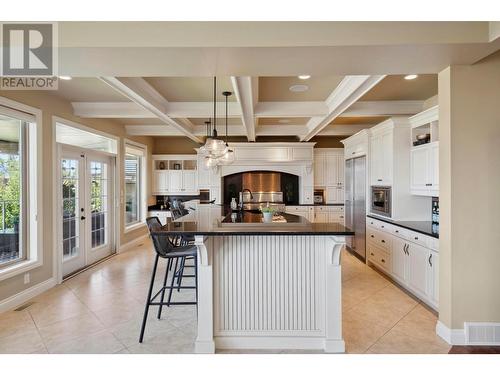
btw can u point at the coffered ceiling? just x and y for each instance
(259, 106)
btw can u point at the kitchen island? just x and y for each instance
(265, 285)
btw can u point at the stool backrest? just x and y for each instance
(161, 242)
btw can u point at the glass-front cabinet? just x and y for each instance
(174, 174)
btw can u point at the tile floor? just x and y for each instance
(100, 311)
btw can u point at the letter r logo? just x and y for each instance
(28, 49)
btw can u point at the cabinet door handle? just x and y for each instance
(383, 260)
(430, 260)
(397, 231)
(379, 179)
(382, 226)
(372, 236)
(353, 152)
(372, 254)
(416, 238)
(383, 241)
(428, 184)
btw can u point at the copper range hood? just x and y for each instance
(262, 182)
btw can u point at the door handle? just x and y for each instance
(82, 218)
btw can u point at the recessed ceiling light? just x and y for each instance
(304, 76)
(299, 88)
(65, 78)
(409, 77)
(283, 121)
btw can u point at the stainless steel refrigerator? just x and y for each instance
(355, 204)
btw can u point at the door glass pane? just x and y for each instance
(11, 182)
(132, 193)
(99, 202)
(71, 207)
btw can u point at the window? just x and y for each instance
(134, 185)
(20, 237)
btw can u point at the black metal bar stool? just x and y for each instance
(165, 248)
(177, 211)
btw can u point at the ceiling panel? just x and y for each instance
(395, 87)
(283, 120)
(191, 89)
(277, 89)
(88, 90)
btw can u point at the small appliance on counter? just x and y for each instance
(435, 215)
(319, 196)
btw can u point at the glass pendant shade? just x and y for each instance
(228, 157)
(210, 162)
(215, 146)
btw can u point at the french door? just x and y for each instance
(87, 208)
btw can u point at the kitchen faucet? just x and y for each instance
(240, 203)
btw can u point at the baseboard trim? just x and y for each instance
(131, 244)
(451, 336)
(21, 297)
(280, 343)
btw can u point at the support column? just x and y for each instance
(205, 341)
(334, 343)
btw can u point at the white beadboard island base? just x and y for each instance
(269, 292)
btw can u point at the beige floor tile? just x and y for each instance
(24, 342)
(44, 314)
(128, 332)
(175, 342)
(112, 316)
(14, 322)
(360, 334)
(395, 342)
(70, 329)
(98, 343)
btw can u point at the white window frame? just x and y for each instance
(138, 149)
(33, 238)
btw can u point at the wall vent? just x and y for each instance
(482, 333)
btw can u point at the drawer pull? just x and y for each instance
(383, 260)
(372, 236)
(397, 231)
(383, 241)
(379, 179)
(372, 254)
(382, 226)
(416, 238)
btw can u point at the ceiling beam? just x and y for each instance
(246, 92)
(384, 108)
(349, 90)
(343, 130)
(143, 94)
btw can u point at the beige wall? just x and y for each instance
(469, 122)
(52, 105)
(174, 145)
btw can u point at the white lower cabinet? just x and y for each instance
(417, 273)
(399, 260)
(315, 214)
(401, 254)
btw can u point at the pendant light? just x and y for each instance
(228, 156)
(215, 146)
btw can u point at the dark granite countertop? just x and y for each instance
(424, 227)
(250, 223)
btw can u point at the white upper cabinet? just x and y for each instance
(329, 173)
(424, 166)
(319, 169)
(174, 174)
(381, 157)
